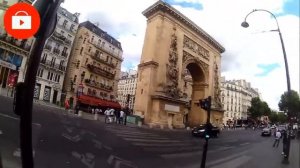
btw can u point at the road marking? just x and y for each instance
(130, 132)
(118, 162)
(87, 159)
(139, 136)
(180, 155)
(222, 148)
(150, 140)
(75, 138)
(161, 145)
(235, 162)
(246, 143)
(218, 161)
(15, 118)
(172, 149)
(17, 152)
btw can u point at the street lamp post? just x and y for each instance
(245, 24)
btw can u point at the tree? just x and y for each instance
(265, 109)
(273, 117)
(282, 118)
(290, 103)
(254, 110)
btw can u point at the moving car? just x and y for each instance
(266, 132)
(200, 130)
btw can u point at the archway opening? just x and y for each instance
(194, 79)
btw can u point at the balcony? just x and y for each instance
(50, 64)
(14, 42)
(58, 36)
(98, 85)
(106, 49)
(56, 51)
(100, 71)
(96, 57)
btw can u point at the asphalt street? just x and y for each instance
(64, 140)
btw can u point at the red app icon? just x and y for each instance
(21, 21)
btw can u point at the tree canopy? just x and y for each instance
(290, 103)
(259, 108)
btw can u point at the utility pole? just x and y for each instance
(206, 105)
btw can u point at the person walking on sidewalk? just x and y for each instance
(122, 115)
(277, 139)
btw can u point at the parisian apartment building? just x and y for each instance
(54, 59)
(236, 98)
(94, 68)
(126, 88)
(14, 54)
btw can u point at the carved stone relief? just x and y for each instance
(187, 56)
(171, 88)
(196, 48)
(217, 91)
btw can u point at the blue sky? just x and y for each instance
(266, 69)
(292, 7)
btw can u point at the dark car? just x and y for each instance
(199, 131)
(266, 132)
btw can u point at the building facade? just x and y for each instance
(236, 99)
(172, 44)
(94, 67)
(14, 54)
(55, 57)
(126, 89)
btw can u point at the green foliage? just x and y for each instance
(282, 118)
(259, 108)
(273, 117)
(290, 103)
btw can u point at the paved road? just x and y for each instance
(64, 140)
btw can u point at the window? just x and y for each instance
(58, 78)
(86, 61)
(81, 50)
(48, 76)
(92, 40)
(99, 42)
(51, 75)
(74, 79)
(44, 57)
(40, 72)
(65, 50)
(90, 48)
(84, 40)
(72, 28)
(65, 23)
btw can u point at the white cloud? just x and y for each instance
(245, 48)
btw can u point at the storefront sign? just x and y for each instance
(8, 65)
(172, 108)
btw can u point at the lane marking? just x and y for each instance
(218, 161)
(161, 145)
(180, 155)
(246, 143)
(140, 136)
(172, 149)
(235, 162)
(150, 140)
(15, 118)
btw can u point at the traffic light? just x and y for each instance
(205, 103)
(208, 130)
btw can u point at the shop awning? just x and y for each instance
(93, 101)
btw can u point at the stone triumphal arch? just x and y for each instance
(180, 64)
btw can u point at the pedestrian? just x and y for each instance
(122, 115)
(125, 116)
(117, 112)
(67, 104)
(277, 139)
(93, 110)
(77, 108)
(106, 113)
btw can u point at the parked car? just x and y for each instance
(200, 130)
(266, 132)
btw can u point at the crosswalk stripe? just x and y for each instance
(161, 145)
(172, 149)
(221, 160)
(235, 162)
(130, 132)
(151, 140)
(180, 155)
(140, 136)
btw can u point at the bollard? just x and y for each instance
(96, 116)
(79, 113)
